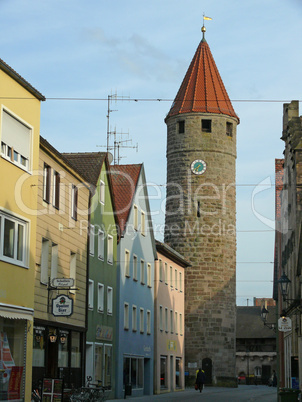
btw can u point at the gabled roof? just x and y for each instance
(250, 325)
(124, 179)
(202, 89)
(13, 74)
(88, 163)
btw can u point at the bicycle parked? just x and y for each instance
(93, 392)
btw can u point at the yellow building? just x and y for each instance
(61, 270)
(19, 161)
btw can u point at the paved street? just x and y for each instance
(248, 393)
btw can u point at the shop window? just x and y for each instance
(16, 141)
(13, 239)
(46, 182)
(12, 358)
(134, 267)
(63, 349)
(163, 371)
(98, 362)
(39, 342)
(44, 261)
(74, 202)
(107, 365)
(75, 350)
(102, 192)
(177, 372)
(133, 369)
(206, 125)
(101, 245)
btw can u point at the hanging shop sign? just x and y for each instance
(284, 324)
(62, 306)
(62, 282)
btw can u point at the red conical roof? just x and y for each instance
(202, 89)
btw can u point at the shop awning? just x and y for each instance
(16, 312)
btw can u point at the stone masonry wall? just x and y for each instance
(200, 224)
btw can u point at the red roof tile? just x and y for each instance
(202, 89)
(124, 181)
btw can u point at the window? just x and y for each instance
(74, 202)
(46, 182)
(13, 240)
(171, 277)
(180, 281)
(166, 319)
(90, 294)
(91, 240)
(143, 223)
(141, 320)
(15, 141)
(171, 322)
(110, 250)
(175, 284)
(148, 322)
(134, 267)
(135, 217)
(166, 273)
(181, 127)
(134, 318)
(126, 316)
(44, 261)
(102, 192)
(101, 245)
(163, 371)
(127, 263)
(206, 125)
(142, 272)
(161, 318)
(180, 324)
(229, 129)
(160, 270)
(149, 275)
(56, 190)
(177, 372)
(73, 269)
(133, 369)
(54, 261)
(109, 300)
(100, 298)
(176, 323)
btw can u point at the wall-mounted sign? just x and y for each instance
(171, 345)
(62, 282)
(284, 324)
(62, 305)
(104, 333)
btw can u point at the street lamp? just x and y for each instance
(284, 282)
(264, 314)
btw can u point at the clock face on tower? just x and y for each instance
(198, 166)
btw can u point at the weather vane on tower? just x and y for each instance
(203, 29)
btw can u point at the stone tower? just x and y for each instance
(201, 214)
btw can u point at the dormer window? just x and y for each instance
(229, 129)
(206, 126)
(181, 127)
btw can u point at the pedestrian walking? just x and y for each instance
(200, 380)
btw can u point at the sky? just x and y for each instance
(78, 53)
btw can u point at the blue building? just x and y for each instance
(136, 253)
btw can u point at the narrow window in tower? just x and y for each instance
(229, 129)
(206, 126)
(181, 127)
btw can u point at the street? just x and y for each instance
(248, 393)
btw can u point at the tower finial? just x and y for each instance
(203, 29)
